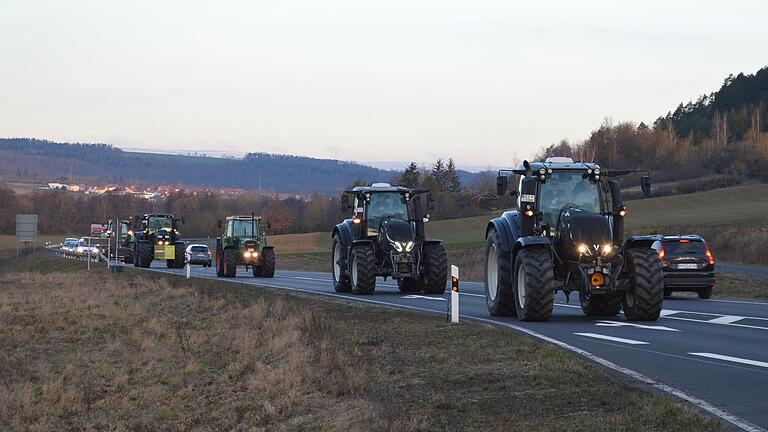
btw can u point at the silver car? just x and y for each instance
(199, 254)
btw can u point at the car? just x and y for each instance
(199, 254)
(67, 245)
(688, 264)
(82, 246)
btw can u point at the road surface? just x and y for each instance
(711, 353)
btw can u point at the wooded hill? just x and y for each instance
(39, 160)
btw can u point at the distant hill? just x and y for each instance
(40, 160)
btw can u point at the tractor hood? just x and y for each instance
(580, 227)
(396, 231)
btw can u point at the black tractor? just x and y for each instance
(385, 237)
(156, 237)
(567, 235)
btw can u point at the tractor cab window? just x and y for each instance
(385, 205)
(156, 223)
(244, 228)
(568, 188)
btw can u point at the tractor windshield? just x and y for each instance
(385, 205)
(156, 223)
(244, 228)
(568, 188)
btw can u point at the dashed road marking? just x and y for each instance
(732, 359)
(603, 323)
(612, 338)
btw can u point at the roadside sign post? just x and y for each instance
(454, 294)
(189, 270)
(26, 231)
(89, 253)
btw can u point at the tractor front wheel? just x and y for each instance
(267, 266)
(534, 284)
(644, 291)
(435, 272)
(230, 262)
(341, 282)
(144, 254)
(499, 293)
(219, 262)
(363, 270)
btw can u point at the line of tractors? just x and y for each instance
(567, 234)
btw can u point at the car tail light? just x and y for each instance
(710, 256)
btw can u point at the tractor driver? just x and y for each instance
(553, 198)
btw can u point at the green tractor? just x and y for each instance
(125, 242)
(156, 237)
(244, 243)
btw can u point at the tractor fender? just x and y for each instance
(524, 242)
(508, 227)
(362, 242)
(345, 233)
(432, 242)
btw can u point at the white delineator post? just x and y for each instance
(189, 270)
(454, 294)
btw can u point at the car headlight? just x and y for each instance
(409, 246)
(398, 246)
(583, 249)
(607, 249)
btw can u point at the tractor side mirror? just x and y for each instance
(218, 223)
(645, 185)
(502, 184)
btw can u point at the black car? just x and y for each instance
(688, 265)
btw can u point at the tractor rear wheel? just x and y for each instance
(363, 270)
(644, 291)
(230, 262)
(435, 273)
(341, 282)
(267, 267)
(144, 254)
(534, 284)
(180, 256)
(499, 293)
(410, 285)
(219, 262)
(600, 305)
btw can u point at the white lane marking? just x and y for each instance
(416, 296)
(705, 321)
(567, 305)
(726, 319)
(736, 301)
(603, 323)
(672, 312)
(732, 359)
(612, 339)
(700, 403)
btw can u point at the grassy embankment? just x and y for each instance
(140, 351)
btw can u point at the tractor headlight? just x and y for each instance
(607, 249)
(583, 249)
(247, 254)
(398, 246)
(409, 246)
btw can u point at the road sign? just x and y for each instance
(26, 227)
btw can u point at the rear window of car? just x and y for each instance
(199, 248)
(689, 247)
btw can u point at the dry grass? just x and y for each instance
(137, 351)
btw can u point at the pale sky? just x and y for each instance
(485, 82)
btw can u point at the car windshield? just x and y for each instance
(159, 222)
(684, 247)
(568, 187)
(385, 205)
(244, 228)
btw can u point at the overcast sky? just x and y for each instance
(481, 81)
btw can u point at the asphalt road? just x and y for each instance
(744, 269)
(711, 353)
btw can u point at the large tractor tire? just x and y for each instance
(435, 273)
(363, 275)
(705, 293)
(180, 257)
(499, 292)
(410, 285)
(230, 262)
(534, 284)
(144, 254)
(644, 292)
(341, 282)
(601, 305)
(267, 266)
(219, 262)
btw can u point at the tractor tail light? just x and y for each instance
(662, 252)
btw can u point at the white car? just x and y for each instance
(199, 254)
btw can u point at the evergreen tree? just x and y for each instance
(452, 180)
(438, 174)
(411, 176)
